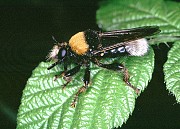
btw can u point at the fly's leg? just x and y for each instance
(61, 73)
(67, 75)
(84, 87)
(126, 80)
(53, 65)
(121, 67)
(56, 63)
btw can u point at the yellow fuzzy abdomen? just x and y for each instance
(78, 43)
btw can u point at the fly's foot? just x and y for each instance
(68, 80)
(58, 76)
(126, 80)
(82, 89)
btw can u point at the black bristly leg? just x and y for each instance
(67, 75)
(121, 67)
(83, 88)
(53, 65)
(62, 72)
(56, 63)
(65, 66)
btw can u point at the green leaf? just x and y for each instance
(172, 71)
(107, 103)
(119, 14)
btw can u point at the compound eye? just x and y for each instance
(63, 53)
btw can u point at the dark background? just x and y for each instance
(25, 39)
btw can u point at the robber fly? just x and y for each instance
(92, 46)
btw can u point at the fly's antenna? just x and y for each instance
(54, 39)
